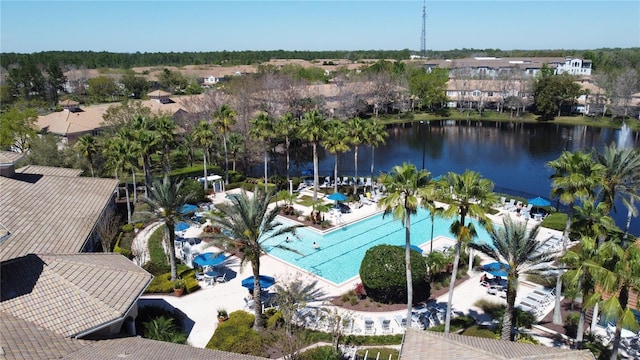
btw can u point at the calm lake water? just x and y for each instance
(513, 157)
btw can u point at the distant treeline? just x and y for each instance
(603, 59)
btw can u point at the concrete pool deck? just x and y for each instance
(200, 307)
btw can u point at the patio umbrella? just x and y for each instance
(181, 226)
(414, 248)
(538, 202)
(265, 282)
(188, 208)
(496, 269)
(336, 196)
(209, 259)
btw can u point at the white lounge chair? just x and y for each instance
(401, 321)
(346, 181)
(385, 325)
(369, 326)
(511, 204)
(222, 279)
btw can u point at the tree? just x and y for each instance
(163, 328)
(404, 186)
(520, 251)
(294, 295)
(250, 222)
(287, 126)
(624, 85)
(166, 201)
(575, 176)
(469, 195)
(313, 128)
(103, 88)
(17, 128)
(55, 82)
(173, 81)
(165, 128)
(107, 229)
(550, 91)
(143, 132)
(134, 85)
(87, 146)
(204, 136)
(335, 143)
(621, 178)
(223, 120)
(117, 151)
(376, 135)
(429, 87)
(235, 145)
(262, 130)
(356, 135)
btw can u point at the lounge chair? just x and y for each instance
(364, 200)
(199, 275)
(368, 183)
(346, 181)
(222, 279)
(385, 325)
(369, 326)
(510, 205)
(401, 321)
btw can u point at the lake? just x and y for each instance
(513, 156)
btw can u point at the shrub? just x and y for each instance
(478, 332)
(236, 335)
(120, 250)
(149, 312)
(555, 221)
(383, 274)
(321, 353)
(275, 320)
(457, 323)
(127, 227)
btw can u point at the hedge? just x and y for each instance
(383, 274)
(236, 335)
(123, 251)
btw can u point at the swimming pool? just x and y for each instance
(341, 251)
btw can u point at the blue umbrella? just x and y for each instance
(265, 282)
(538, 202)
(209, 259)
(181, 226)
(414, 248)
(496, 269)
(336, 196)
(188, 208)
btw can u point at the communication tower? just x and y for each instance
(423, 38)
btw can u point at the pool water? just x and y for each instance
(340, 252)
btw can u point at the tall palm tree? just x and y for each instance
(223, 120)
(621, 178)
(313, 128)
(235, 144)
(376, 135)
(469, 195)
(165, 200)
(335, 143)
(619, 275)
(520, 250)
(87, 146)
(165, 127)
(287, 127)
(143, 133)
(118, 150)
(575, 177)
(251, 223)
(262, 129)
(593, 220)
(405, 185)
(581, 262)
(356, 135)
(434, 210)
(204, 136)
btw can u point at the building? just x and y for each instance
(574, 67)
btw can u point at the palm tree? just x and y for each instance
(356, 129)
(251, 223)
(144, 134)
(520, 250)
(621, 178)
(619, 275)
(404, 184)
(163, 328)
(118, 152)
(262, 129)
(287, 127)
(166, 199)
(575, 177)
(204, 136)
(434, 210)
(313, 128)
(165, 127)
(235, 144)
(294, 295)
(335, 143)
(376, 135)
(469, 195)
(224, 119)
(593, 220)
(87, 146)
(581, 262)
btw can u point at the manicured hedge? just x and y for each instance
(237, 335)
(383, 274)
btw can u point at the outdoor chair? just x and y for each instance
(385, 325)
(401, 321)
(346, 181)
(511, 204)
(199, 276)
(369, 327)
(222, 279)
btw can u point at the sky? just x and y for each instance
(163, 26)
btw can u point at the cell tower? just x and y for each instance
(423, 38)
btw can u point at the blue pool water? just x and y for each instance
(341, 251)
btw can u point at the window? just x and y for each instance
(490, 93)
(476, 93)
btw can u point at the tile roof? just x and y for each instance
(49, 171)
(145, 349)
(431, 345)
(9, 157)
(34, 205)
(23, 340)
(71, 294)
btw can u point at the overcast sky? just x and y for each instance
(163, 26)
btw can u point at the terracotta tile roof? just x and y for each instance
(9, 157)
(45, 213)
(431, 345)
(23, 340)
(145, 349)
(73, 294)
